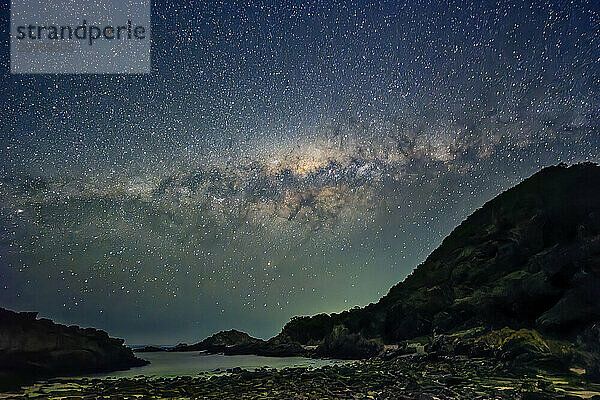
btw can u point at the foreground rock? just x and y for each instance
(404, 378)
(31, 347)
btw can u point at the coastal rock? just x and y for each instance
(229, 342)
(150, 349)
(591, 343)
(342, 344)
(31, 347)
(233, 342)
(528, 259)
(407, 378)
(520, 349)
(280, 346)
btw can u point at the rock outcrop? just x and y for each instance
(234, 342)
(342, 344)
(150, 349)
(228, 342)
(528, 259)
(513, 348)
(31, 347)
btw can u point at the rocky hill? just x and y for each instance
(234, 342)
(528, 260)
(31, 347)
(229, 342)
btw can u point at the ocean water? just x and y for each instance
(164, 364)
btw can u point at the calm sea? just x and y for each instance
(165, 364)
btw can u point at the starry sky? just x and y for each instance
(283, 158)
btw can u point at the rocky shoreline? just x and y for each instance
(423, 377)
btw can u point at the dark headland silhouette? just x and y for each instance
(517, 282)
(32, 348)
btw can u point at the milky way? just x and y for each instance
(281, 159)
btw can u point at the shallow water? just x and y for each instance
(165, 364)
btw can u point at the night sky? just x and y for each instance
(282, 159)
